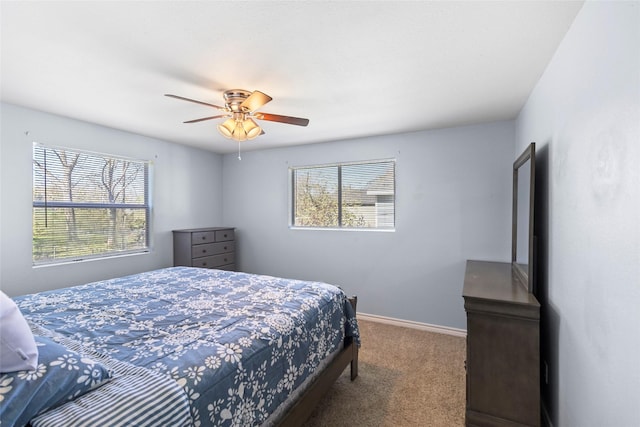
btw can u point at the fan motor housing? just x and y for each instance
(234, 97)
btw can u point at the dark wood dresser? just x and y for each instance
(212, 247)
(503, 349)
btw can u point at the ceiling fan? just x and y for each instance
(240, 110)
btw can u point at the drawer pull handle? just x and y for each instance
(204, 251)
(225, 260)
(225, 248)
(204, 264)
(204, 238)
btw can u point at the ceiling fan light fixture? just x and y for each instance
(239, 134)
(251, 128)
(227, 128)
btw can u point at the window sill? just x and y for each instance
(89, 259)
(378, 230)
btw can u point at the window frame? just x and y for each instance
(340, 226)
(146, 206)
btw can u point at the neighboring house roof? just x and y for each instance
(383, 185)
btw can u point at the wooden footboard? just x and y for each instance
(307, 402)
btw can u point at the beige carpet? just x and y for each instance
(406, 377)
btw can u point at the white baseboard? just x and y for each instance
(414, 325)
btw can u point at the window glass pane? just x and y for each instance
(72, 233)
(316, 197)
(81, 177)
(87, 205)
(368, 195)
(353, 195)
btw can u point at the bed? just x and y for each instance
(182, 346)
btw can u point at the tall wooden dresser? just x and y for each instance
(212, 247)
(503, 350)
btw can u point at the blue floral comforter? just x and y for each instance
(236, 343)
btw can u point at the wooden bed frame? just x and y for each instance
(307, 402)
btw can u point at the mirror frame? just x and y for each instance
(525, 276)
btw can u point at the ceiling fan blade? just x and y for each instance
(256, 100)
(207, 118)
(193, 100)
(282, 119)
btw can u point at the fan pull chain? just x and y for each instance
(239, 156)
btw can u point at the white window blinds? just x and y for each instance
(346, 195)
(88, 205)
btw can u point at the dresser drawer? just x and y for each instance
(203, 237)
(214, 261)
(209, 249)
(224, 235)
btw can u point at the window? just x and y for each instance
(346, 195)
(88, 205)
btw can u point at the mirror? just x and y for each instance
(522, 238)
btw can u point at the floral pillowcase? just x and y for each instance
(61, 376)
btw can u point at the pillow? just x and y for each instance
(61, 376)
(18, 349)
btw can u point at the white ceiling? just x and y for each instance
(353, 68)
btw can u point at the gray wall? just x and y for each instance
(453, 189)
(186, 187)
(585, 116)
